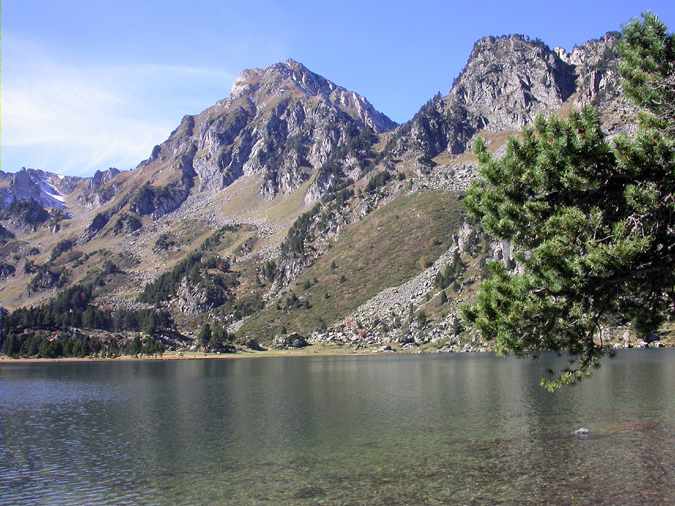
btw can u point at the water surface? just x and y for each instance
(468, 429)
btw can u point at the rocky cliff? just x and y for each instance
(47, 189)
(506, 83)
(284, 123)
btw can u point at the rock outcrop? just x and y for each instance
(47, 189)
(5, 235)
(505, 84)
(100, 188)
(6, 270)
(282, 122)
(46, 279)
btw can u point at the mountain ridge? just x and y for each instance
(240, 82)
(251, 213)
(505, 83)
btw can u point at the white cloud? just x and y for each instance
(76, 119)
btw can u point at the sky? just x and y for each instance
(89, 84)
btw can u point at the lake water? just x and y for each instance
(468, 429)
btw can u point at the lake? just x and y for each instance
(408, 429)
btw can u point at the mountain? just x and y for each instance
(32, 197)
(291, 205)
(505, 84)
(45, 188)
(284, 123)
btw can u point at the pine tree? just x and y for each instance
(591, 223)
(10, 345)
(647, 61)
(136, 346)
(219, 338)
(205, 335)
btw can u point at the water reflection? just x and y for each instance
(383, 430)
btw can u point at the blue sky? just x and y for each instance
(95, 83)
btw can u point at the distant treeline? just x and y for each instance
(62, 344)
(20, 330)
(72, 308)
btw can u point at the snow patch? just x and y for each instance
(51, 192)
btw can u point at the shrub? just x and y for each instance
(61, 247)
(269, 270)
(295, 240)
(377, 181)
(164, 242)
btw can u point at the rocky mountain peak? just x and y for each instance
(45, 188)
(289, 77)
(102, 177)
(508, 43)
(293, 79)
(283, 122)
(591, 52)
(507, 81)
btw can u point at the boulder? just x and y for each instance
(406, 339)
(252, 344)
(297, 341)
(293, 340)
(225, 348)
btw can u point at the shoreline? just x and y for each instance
(323, 351)
(309, 351)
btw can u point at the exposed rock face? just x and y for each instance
(158, 201)
(47, 189)
(45, 279)
(5, 235)
(283, 122)
(251, 344)
(194, 298)
(102, 177)
(25, 214)
(509, 80)
(505, 84)
(598, 81)
(293, 340)
(273, 80)
(100, 188)
(96, 225)
(127, 224)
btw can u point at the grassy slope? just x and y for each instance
(385, 249)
